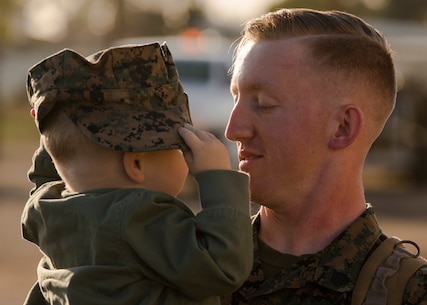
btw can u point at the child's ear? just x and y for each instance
(133, 165)
(348, 127)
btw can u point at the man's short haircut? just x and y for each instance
(337, 40)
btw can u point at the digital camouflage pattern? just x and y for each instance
(128, 98)
(325, 278)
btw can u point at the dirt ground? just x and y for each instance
(402, 212)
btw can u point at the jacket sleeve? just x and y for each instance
(47, 184)
(42, 169)
(209, 254)
(35, 296)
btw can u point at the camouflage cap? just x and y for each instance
(128, 98)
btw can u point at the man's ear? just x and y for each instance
(133, 164)
(350, 120)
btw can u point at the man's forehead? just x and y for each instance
(277, 54)
(284, 48)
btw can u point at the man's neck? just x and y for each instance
(309, 229)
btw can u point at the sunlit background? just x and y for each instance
(200, 34)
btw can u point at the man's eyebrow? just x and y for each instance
(250, 86)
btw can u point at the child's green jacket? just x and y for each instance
(134, 246)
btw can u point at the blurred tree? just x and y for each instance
(101, 21)
(8, 11)
(415, 10)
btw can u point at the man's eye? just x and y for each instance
(266, 105)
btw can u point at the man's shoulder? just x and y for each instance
(416, 288)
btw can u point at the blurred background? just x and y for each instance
(200, 34)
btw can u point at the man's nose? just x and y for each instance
(237, 127)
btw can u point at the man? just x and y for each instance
(312, 91)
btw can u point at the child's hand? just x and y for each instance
(206, 151)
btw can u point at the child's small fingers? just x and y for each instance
(187, 135)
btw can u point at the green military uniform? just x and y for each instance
(134, 246)
(327, 277)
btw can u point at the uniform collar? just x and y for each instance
(336, 267)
